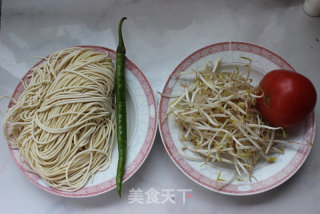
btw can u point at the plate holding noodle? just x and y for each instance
(75, 107)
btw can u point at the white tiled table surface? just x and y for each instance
(158, 34)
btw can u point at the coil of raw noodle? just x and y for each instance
(64, 122)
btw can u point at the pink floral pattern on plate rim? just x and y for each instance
(133, 166)
(194, 174)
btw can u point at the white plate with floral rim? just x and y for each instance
(142, 127)
(268, 176)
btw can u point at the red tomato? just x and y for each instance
(288, 98)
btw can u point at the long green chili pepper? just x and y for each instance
(121, 109)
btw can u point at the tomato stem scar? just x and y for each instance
(267, 100)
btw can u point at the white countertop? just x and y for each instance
(158, 35)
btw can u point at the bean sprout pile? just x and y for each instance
(219, 122)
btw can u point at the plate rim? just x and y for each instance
(152, 125)
(176, 162)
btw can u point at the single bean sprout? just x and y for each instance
(217, 114)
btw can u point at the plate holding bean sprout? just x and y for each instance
(214, 133)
